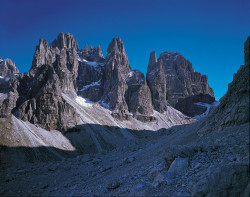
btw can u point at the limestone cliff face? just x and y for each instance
(125, 91)
(234, 105)
(61, 68)
(138, 97)
(116, 71)
(184, 86)
(38, 94)
(157, 83)
(7, 68)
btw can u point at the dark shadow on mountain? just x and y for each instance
(188, 107)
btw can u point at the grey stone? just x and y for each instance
(157, 83)
(7, 67)
(178, 166)
(113, 185)
(65, 41)
(227, 180)
(116, 71)
(184, 86)
(159, 179)
(138, 97)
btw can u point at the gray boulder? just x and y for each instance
(178, 166)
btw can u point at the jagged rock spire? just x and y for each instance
(117, 45)
(65, 41)
(7, 67)
(42, 56)
(86, 48)
(157, 83)
(152, 60)
(117, 70)
(180, 78)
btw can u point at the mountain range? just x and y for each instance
(75, 103)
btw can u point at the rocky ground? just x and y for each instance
(169, 162)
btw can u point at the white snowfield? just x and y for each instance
(84, 102)
(95, 113)
(208, 106)
(91, 63)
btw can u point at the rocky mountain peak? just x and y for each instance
(7, 67)
(65, 41)
(92, 53)
(184, 86)
(116, 45)
(43, 55)
(117, 70)
(157, 83)
(152, 60)
(112, 45)
(86, 48)
(43, 45)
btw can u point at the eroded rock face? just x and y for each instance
(138, 97)
(116, 71)
(157, 83)
(65, 41)
(189, 106)
(228, 180)
(8, 93)
(92, 53)
(183, 84)
(90, 80)
(38, 94)
(125, 90)
(7, 67)
(234, 105)
(61, 68)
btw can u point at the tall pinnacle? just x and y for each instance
(65, 41)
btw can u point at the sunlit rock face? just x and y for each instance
(7, 68)
(184, 86)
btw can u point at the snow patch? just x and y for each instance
(94, 63)
(97, 83)
(84, 102)
(208, 106)
(3, 96)
(131, 74)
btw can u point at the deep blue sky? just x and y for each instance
(210, 33)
